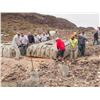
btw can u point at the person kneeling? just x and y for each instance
(61, 49)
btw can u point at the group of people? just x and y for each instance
(21, 42)
(77, 44)
(38, 38)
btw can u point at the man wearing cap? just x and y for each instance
(61, 49)
(73, 48)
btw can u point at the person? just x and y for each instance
(67, 42)
(48, 36)
(24, 44)
(39, 37)
(16, 43)
(73, 48)
(52, 34)
(43, 38)
(31, 38)
(81, 44)
(98, 30)
(83, 34)
(61, 49)
(96, 42)
(36, 38)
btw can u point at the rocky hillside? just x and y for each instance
(35, 23)
(30, 21)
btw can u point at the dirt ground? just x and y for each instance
(47, 72)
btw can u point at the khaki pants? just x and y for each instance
(73, 54)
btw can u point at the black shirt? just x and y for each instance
(31, 38)
(81, 40)
(96, 35)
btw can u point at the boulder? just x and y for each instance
(64, 69)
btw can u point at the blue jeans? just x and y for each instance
(81, 48)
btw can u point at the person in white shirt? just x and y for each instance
(24, 44)
(83, 34)
(43, 38)
(16, 43)
(24, 39)
(39, 37)
(36, 38)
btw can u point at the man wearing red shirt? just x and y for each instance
(61, 48)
